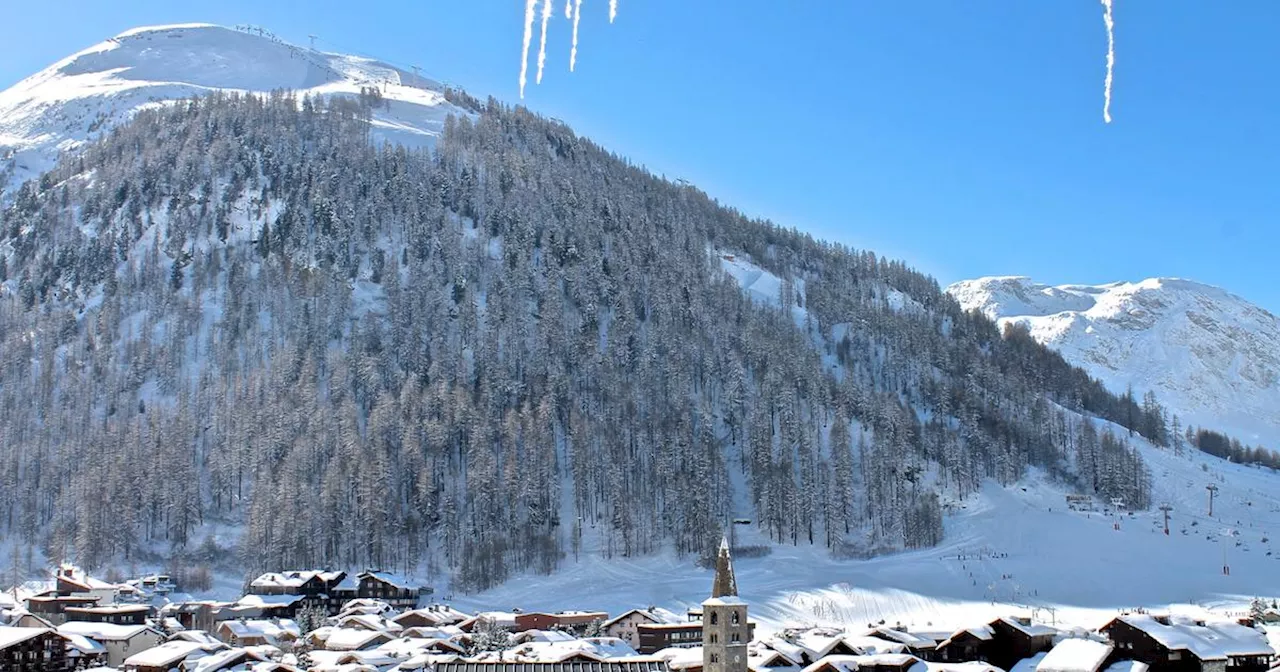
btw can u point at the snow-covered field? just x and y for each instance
(1209, 355)
(1007, 550)
(86, 94)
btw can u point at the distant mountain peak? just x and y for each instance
(1209, 355)
(86, 94)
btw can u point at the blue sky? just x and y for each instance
(964, 136)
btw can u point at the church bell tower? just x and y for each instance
(724, 620)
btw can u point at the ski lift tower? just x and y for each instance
(1117, 505)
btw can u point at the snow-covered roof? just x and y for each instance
(681, 658)
(371, 622)
(1075, 655)
(219, 660)
(10, 635)
(348, 639)
(869, 646)
(911, 639)
(652, 615)
(269, 600)
(396, 580)
(197, 636)
(103, 632)
(81, 645)
(271, 630)
(1127, 666)
(725, 601)
(1209, 641)
(166, 654)
(1028, 628)
(1029, 664)
(294, 579)
(973, 666)
(854, 663)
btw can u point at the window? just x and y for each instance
(714, 638)
(735, 638)
(1175, 655)
(734, 617)
(715, 658)
(714, 618)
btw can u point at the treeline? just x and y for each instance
(1227, 448)
(480, 360)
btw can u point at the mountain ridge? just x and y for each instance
(85, 94)
(1210, 355)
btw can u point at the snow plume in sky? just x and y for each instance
(1111, 58)
(530, 6)
(568, 9)
(542, 49)
(577, 18)
(613, 10)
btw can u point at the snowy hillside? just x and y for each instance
(1209, 355)
(1015, 549)
(87, 93)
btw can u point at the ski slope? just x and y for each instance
(84, 95)
(1007, 550)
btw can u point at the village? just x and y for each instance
(332, 621)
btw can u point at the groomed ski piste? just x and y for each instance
(1016, 550)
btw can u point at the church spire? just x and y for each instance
(725, 584)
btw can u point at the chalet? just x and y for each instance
(1002, 642)
(32, 650)
(70, 581)
(1076, 655)
(761, 657)
(276, 632)
(273, 606)
(347, 639)
(224, 661)
(433, 616)
(922, 645)
(120, 641)
(169, 656)
(120, 614)
(329, 589)
(624, 626)
(397, 591)
(575, 621)
(370, 622)
(1184, 645)
(84, 653)
(53, 608)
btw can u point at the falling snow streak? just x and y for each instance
(1111, 58)
(530, 7)
(542, 49)
(577, 18)
(572, 12)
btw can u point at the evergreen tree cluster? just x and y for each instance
(472, 361)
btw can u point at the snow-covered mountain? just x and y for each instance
(1209, 355)
(87, 93)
